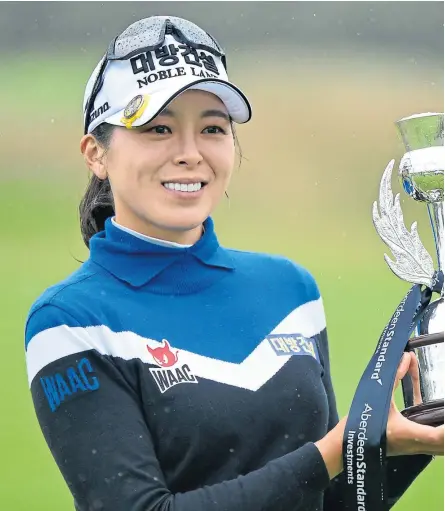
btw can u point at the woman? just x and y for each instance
(168, 372)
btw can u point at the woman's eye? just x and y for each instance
(213, 130)
(159, 130)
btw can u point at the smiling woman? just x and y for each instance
(169, 373)
(167, 176)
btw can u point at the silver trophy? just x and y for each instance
(421, 174)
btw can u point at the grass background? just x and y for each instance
(321, 136)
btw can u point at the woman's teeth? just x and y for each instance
(180, 187)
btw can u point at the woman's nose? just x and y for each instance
(188, 154)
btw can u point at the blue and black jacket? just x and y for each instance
(188, 379)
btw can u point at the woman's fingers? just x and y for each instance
(408, 366)
(402, 370)
(428, 440)
(405, 436)
(408, 437)
(415, 378)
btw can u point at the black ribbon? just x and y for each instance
(364, 441)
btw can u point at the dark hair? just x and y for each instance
(97, 204)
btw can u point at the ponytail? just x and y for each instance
(97, 203)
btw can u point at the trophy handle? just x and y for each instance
(412, 261)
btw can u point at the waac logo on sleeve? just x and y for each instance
(170, 372)
(63, 385)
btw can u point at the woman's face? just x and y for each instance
(169, 175)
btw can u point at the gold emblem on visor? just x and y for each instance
(134, 110)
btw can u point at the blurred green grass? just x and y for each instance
(309, 200)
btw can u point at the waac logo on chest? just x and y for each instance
(170, 372)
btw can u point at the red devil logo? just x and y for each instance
(164, 356)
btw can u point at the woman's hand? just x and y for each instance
(405, 436)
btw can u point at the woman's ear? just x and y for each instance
(94, 156)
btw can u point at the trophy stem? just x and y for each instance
(435, 211)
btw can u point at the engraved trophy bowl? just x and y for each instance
(421, 173)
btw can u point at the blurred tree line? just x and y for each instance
(411, 28)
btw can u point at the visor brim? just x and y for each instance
(236, 103)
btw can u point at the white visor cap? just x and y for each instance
(136, 90)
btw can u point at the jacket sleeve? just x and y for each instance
(400, 470)
(90, 415)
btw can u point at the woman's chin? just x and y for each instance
(183, 225)
(184, 221)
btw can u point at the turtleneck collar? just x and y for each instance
(144, 237)
(139, 261)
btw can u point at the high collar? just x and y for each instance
(155, 241)
(137, 261)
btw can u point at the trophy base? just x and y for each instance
(429, 414)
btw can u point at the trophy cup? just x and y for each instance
(421, 174)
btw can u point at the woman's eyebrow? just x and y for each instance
(207, 113)
(167, 112)
(215, 113)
